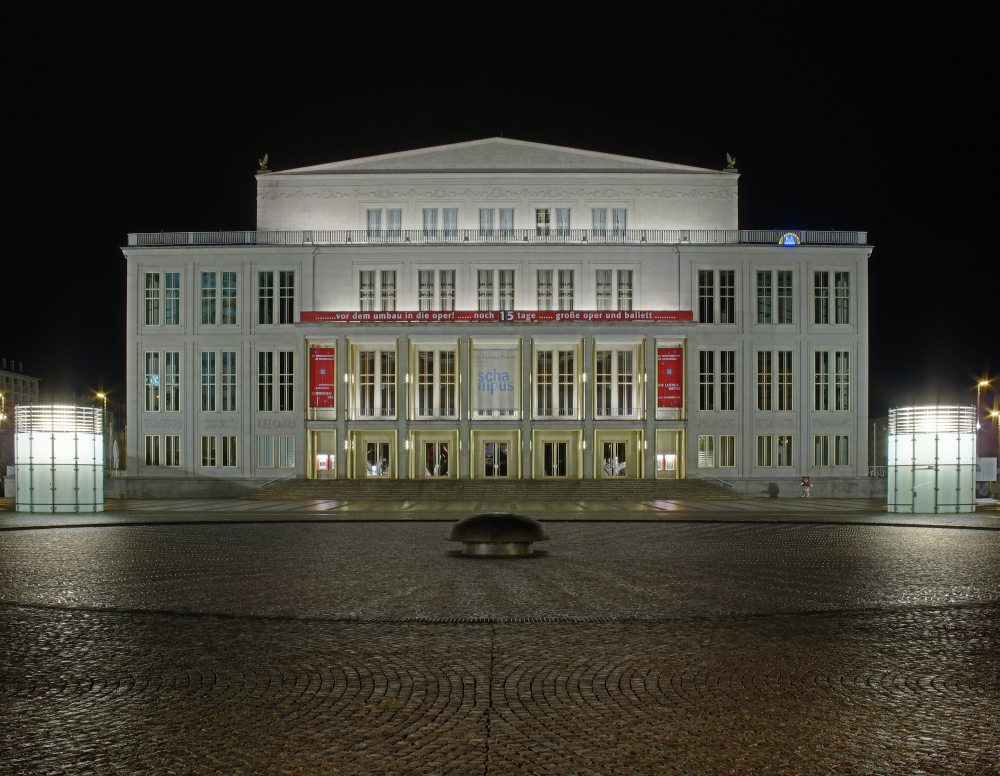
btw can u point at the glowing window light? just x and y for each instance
(789, 239)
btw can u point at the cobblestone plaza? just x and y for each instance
(633, 647)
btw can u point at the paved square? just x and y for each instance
(631, 648)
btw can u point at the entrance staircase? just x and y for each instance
(495, 490)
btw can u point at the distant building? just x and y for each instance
(499, 309)
(15, 388)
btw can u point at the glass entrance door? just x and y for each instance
(495, 458)
(614, 463)
(435, 459)
(554, 464)
(377, 457)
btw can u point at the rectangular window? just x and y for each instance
(619, 221)
(430, 221)
(727, 296)
(727, 380)
(286, 452)
(373, 221)
(229, 380)
(208, 297)
(842, 297)
(727, 451)
(152, 298)
(265, 381)
(228, 298)
(208, 382)
(449, 217)
(152, 386)
(265, 451)
(506, 288)
(172, 381)
(615, 384)
(542, 220)
(784, 450)
(784, 380)
(706, 451)
(706, 296)
(624, 289)
(507, 221)
(764, 314)
(821, 372)
(447, 278)
(172, 298)
(706, 380)
(567, 384)
(208, 451)
(286, 381)
(376, 371)
(821, 297)
(388, 289)
(425, 289)
(562, 221)
(764, 450)
(394, 219)
(265, 297)
(484, 287)
(544, 289)
(172, 444)
(842, 380)
(786, 292)
(555, 383)
(152, 445)
(436, 384)
(764, 380)
(842, 455)
(565, 289)
(543, 383)
(228, 451)
(286, 296)
(599, 220)
(366, 290)
(604, 289)
(486, 221)
(821, 450)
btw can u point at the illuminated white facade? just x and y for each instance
(498, 309)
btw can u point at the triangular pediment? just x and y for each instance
(497, 154)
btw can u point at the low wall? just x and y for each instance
(173, 487)
(831, 487)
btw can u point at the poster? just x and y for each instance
(669, 378)
(322, 377)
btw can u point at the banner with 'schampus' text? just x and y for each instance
(494, 373)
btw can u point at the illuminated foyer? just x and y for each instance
(497, 309)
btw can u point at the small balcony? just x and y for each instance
(580, 237)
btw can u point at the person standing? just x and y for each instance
(806, 484)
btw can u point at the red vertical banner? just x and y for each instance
(669, 378)
(322, 377)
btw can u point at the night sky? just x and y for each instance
(861, 130)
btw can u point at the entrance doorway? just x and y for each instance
(554, 463)
(323, 455)
(613, 459)
(556, 453)
(435, 459)
(670, 464)
(495, 456)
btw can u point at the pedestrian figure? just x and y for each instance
(806, 484)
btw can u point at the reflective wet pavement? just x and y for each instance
(632, 648)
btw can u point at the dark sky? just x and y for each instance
(866, 128)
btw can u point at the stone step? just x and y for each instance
(521, 490)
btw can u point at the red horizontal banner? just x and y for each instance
(496, 316)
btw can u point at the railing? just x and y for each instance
(498, 236)
(877, 472)
(715, 479)
(288, 476)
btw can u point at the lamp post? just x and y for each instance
(979, 392)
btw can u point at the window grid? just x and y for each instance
(436, 383)
(842, 381)
(706, 451)
(727, 296)
(842, 450)
(544, 289)
(706, 296)
(229, 381)
(764, 379)
(447, 278)
(727, 450)
(286, 381)
(366, 290)
(484, 285)
(565, 289)
(172, 381)
(764, 313)
(172, 445)
(821, 450)
(286, 296)
(172, 298)
(603, 289)
(208, 451)
(152, 299)
(784, 450)
(152, 384)
(388, 290)
(208, 381)
(152, 449)
(425, 289)
(376, 387)
(785, 391)
(624, 289)
(821, 371)
(228, 297)
(727, 380)
(208, 297)
(764, 450)
(229, 451)
(706, 380)
(506, 284)
(265, 297)
(265, 381)
(842, 297)
(821, 297)
(615, 384)
(786, 291)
